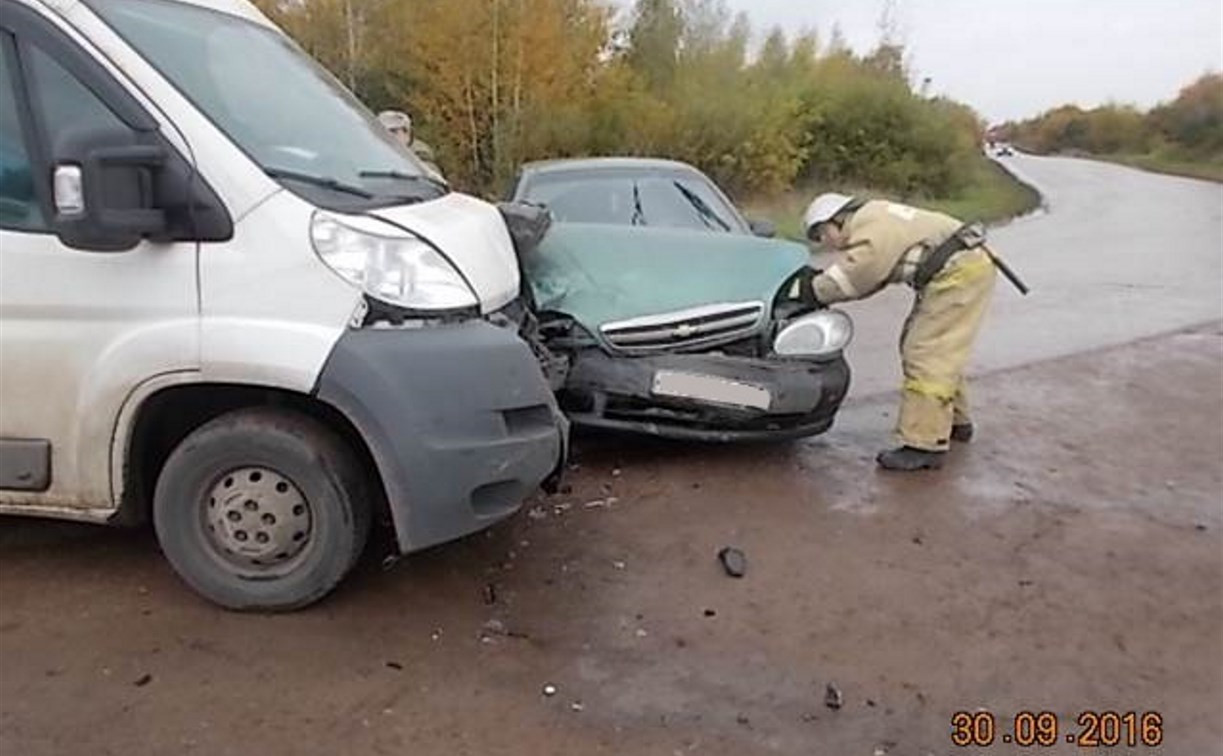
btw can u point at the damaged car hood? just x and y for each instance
(599, 273)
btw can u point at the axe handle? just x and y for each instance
(1005, 269)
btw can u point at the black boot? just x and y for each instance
(961, 432)
(907, 459)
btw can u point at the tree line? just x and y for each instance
(1188, 128)
(494, 83)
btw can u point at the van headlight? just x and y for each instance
(389, 264)
(819, 334)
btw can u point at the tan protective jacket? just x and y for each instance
(885, 243)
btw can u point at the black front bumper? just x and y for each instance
(458, 418)
(618, 393)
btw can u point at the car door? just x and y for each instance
(80, 328)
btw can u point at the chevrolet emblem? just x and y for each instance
(684, 330)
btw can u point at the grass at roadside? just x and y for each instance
(1210, 170)
(992, 195)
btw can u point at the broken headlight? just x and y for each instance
(819, 334)
(389, 264)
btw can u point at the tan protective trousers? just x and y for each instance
(934, 350)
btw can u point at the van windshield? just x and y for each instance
(280, 107)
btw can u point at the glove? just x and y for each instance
(806, 289)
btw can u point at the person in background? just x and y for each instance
(399, 124)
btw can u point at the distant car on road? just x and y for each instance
(1003, 150)
(677, 316)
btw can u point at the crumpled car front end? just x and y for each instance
(740, 357)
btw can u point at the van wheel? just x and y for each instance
(262, 509)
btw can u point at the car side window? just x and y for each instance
(19, 206)
(62, 102)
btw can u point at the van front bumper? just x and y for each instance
(458, 418)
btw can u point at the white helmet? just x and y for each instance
(823, 209)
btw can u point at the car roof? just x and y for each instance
(597, 163)
(241, 8)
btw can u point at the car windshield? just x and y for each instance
(279, 106)
(630, 197)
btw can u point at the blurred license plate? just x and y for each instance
(711, 389)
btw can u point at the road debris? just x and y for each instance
(619, 565)
(734, 562)
(537, 513)
(395, 666)
(490, 594)
(833, 697)
(577, 706)
(710, 613)
(550, 690)
(143, 681)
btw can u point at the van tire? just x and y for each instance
(271, 474)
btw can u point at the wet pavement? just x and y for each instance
(1069, 560)
(1117, 255)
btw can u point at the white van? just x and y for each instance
(229, 301)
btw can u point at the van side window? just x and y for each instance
(62, 101)
(19, 208)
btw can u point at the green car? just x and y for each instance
(667, 312)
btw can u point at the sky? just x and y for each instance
(1013, 59)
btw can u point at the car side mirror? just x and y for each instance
(764, 228)
(104, 187)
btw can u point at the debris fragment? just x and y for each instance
(616, 472)
(744, 720)
(577, 706)
(549, 690)
(437, 634)
(619, 565)
(833, 698)
(1201, 528)
(143, 681)
(642, 632)
(710, 613)
(537, 513)
(395, 666)
(734, 562)
(490, 594)
(494, 627)
(596, 504)
(561, 509)
(390, 560)
(917, 540)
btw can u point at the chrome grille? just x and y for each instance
(685, 329)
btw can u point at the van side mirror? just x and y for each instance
(105, 189)
(764, 228)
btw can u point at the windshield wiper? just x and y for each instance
(416, 177)
(702, 208)
(638, 218)
(327, 182)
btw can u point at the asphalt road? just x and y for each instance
(1116, 255)
(1069, 560)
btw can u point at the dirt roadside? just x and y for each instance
(1070, 559)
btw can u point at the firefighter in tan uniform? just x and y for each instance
(953, 277)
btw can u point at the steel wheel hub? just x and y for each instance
(258, 517)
